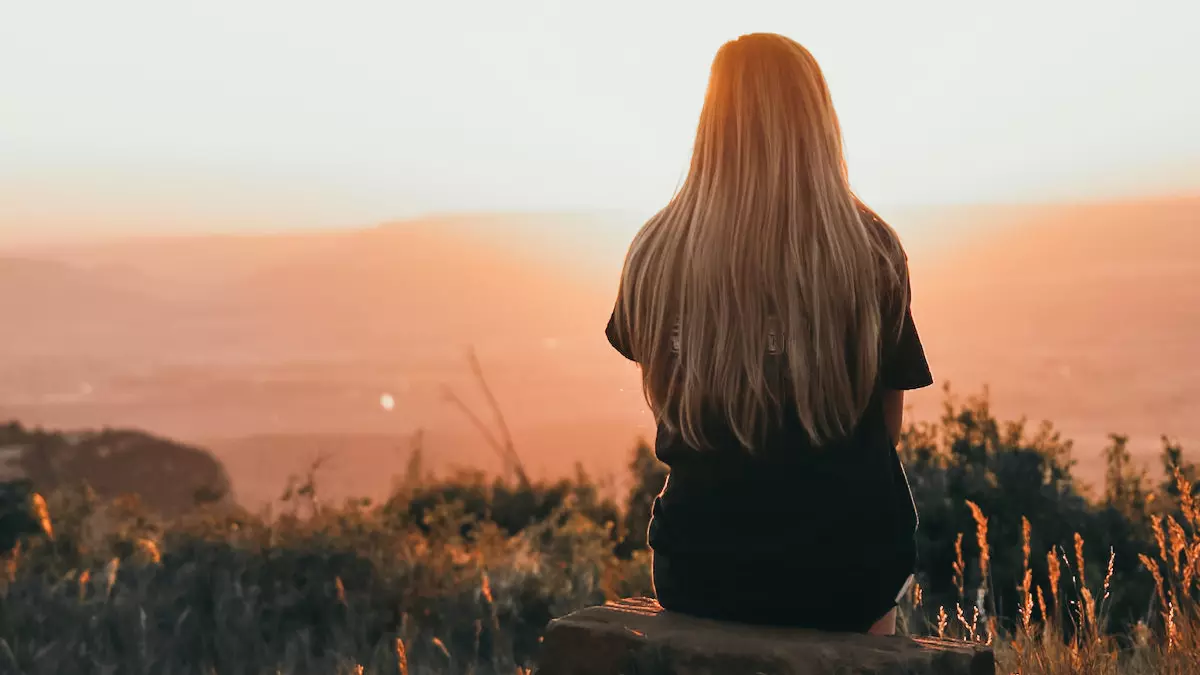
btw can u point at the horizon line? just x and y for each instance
(465, 216)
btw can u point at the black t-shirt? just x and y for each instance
(840, 512)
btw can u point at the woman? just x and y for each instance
(769, 312)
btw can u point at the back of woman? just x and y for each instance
(768, 309)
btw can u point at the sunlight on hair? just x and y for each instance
(804, 267)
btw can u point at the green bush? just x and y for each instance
(459, 574)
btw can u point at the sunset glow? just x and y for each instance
(263, 114)
(424, 179)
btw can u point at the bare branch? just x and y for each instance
(509, 447)
(479, 424)
(502, 446)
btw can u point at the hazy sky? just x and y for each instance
(227, 114)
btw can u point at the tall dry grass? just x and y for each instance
(361, 589)
(460, 576)
(1062, 623)
(351, 588)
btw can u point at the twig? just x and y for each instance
(509, 446)
(479, 424)
(503, 446)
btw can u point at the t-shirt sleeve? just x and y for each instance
(903, 365)
(617, 338)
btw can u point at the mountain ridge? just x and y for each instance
(1084, 315)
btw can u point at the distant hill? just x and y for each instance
(1085, 315)
(240, 342)
(39, 297)
(170, 478)
(213, 298)
(272, 348)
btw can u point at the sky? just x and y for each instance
(234, 115)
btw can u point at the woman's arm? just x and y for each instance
(893, 413)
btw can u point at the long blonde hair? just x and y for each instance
(763, 244)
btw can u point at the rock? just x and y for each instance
(637, 637)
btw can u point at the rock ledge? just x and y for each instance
(637, 637)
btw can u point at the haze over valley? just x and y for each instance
(272, 350)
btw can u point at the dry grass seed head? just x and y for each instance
(437, 642)
(1026, 531)
(1026, 608)
(1041, 600)
(401, 658)
(1055, 573)
(1087, 613)
(1178, 541)
(959, 566)
(1152, 567)
(110, 575)
(1172, 629)
(981, 533)
(1186, 501)
(962, 619)
(1112, 557)
(1191, 563)
(485, 586)
(1159, 537)
(1080, 563)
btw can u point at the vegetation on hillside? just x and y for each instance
(169, 477)
(460, 573)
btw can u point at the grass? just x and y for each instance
(461, 574)
(317, 589)
(1062, 624)
(356, 588)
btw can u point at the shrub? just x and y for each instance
(459, 574)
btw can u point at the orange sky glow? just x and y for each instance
(145, 116)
